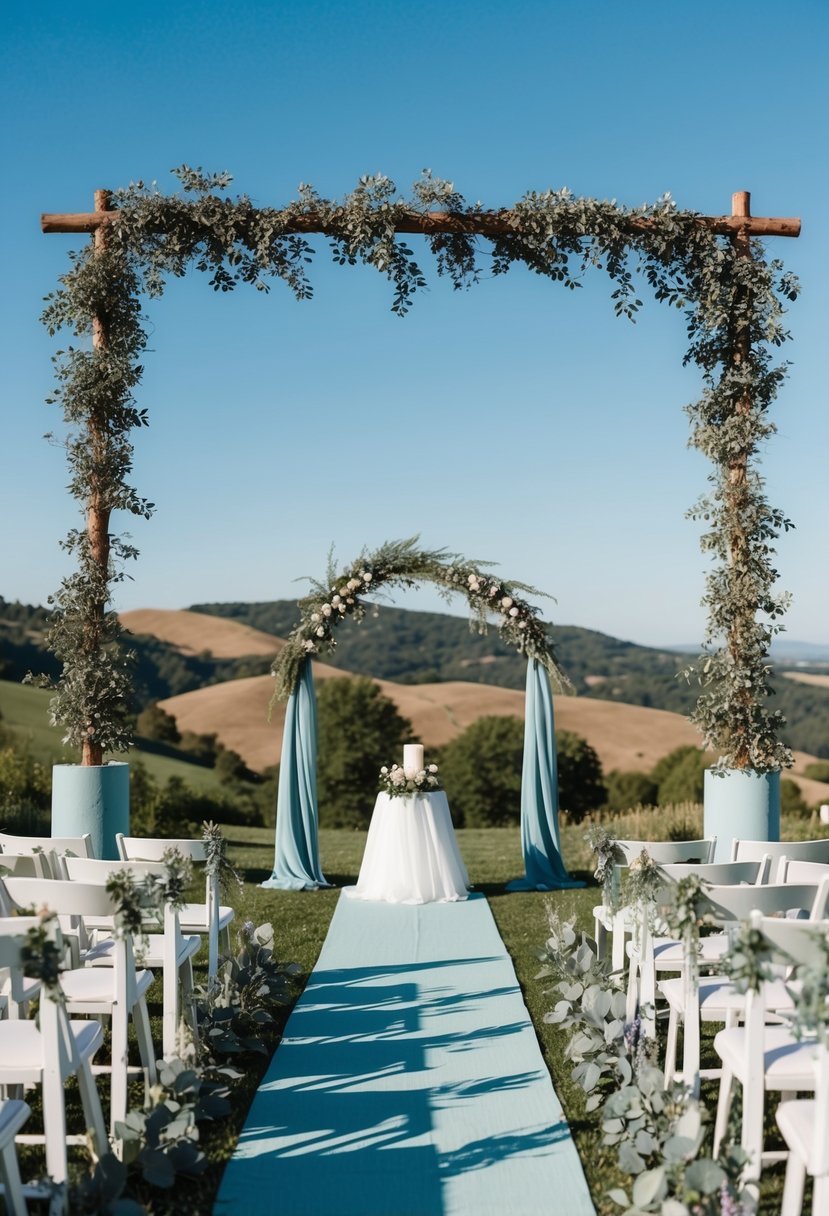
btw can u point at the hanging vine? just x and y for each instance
(733, 306)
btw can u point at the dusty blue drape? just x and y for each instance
(296, 865)
(540, 839)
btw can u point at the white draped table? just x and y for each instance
(411, 855)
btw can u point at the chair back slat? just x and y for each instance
(800, 850)
(87, 869)
(668, 851)
(81, 846)
(792, 869)
(25, 865)
(140, 848)
(726, 904)
(720, 873)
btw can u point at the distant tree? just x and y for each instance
(202, 748)
(481, 771)
(628, 789)
(581, 786)
(818, 771)
(359, 729)
(155, 723)
(482, 767)
(144, 793)
(25, 791)
(680, 775)
(230, 767)
(792, 801)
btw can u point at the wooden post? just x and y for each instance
(738, 464)
(98, 510)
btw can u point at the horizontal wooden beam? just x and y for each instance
(484, 223)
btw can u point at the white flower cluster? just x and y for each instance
(514, 612)
(395, 782)
(329, 612)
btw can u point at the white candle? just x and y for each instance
(412, 758)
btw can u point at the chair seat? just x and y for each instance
(787, 1063)
(796, 1120)
(193, 918)
(152, 955)
(718, 996)
(21, 1049)
(669, 954)
(93, 986)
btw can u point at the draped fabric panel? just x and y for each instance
(540, 838)
(297, 864)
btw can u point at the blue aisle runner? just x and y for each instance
(409, 1082)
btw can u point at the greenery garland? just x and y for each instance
(732, 299)
(399, 563)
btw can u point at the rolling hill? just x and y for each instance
(624, 736)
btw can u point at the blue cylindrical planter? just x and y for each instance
(94, 799)
(742, 803)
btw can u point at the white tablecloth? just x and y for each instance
(411, 854)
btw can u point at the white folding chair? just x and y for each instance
(25, 865)
(48, 849)
(797, 850)
(168, 949)
(764, 1057)
(211, 917)
(13, 1114)
(804, 1123)
(651, 952)
(117, 991)
(617, 923)
(791, 869)
(714, 998)
(46, 1054)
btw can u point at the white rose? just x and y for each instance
(522, 624)
(384, 770)
(513, 612)
(315, 616)
(472, 579)
(335, 599)
(506, 602)
(326, 610)
(343, 590)
(310, 647)
(493, 591)
(367, 577)
(321, 631)
(341, 607)
(433, 768)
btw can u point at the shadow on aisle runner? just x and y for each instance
(409, 1082)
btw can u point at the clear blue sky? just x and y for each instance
(517, 423)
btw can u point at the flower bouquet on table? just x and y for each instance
(398, 782)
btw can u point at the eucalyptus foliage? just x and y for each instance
(400, 563)
(657, 1129)
(733, 306)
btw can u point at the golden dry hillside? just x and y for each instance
(197, 633)
(803, 677)
(624, 736)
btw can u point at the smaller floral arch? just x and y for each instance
(402, 564)
(343, 594)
